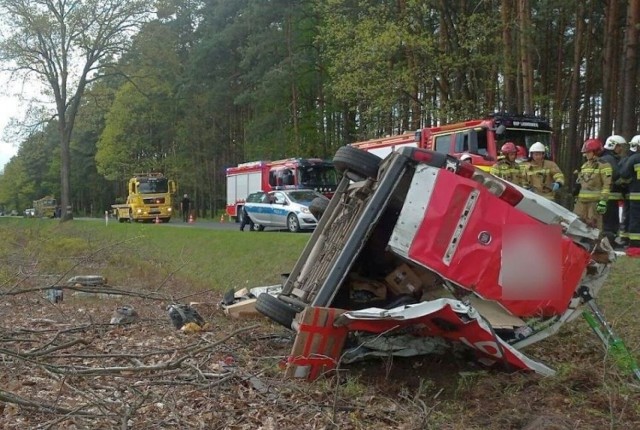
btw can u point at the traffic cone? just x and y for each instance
(190, 218)
(222, 218)
(157, 221)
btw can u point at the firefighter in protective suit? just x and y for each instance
(630, 171)
(613, 147)
(623, 238)
(543, 176)
(594, 180)
(507, 168)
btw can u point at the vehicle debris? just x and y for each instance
(55, 294)
(242, 303)
(425, 244)
(87, 280)
(182, 315)
(124, 315)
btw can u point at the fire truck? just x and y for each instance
(150, 198)
(293, 173)
(480, 138)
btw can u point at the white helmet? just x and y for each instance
(634, 143)
(614, 140)
(537, 147)
(467, 157)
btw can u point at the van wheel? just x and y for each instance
(356, 163)
(276, 309)
(318, 206)
(293, 224)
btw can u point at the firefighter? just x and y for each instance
(613, 147)
(594, 180)
(623, 238)
(544, 177)
(507, 168)
(630, 171)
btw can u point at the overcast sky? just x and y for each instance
(11, 106)
(8, 108)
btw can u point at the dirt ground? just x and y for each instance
(64, 366)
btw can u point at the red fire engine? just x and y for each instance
(480, 138)
(293, 173)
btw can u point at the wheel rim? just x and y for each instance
(293, 223)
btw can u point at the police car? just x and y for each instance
(284, 209)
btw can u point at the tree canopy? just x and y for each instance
(199, 86)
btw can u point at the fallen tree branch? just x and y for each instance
(167, 365)
(8, 397)
(38, 352)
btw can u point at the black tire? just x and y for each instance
(276, 310)
(318, 206)
(260, 227)
(293, 223)
(355, 163)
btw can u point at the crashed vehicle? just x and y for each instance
(421, 243)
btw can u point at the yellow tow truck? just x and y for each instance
(45, 207)
(150, 199)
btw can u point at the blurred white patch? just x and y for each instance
(531, 262)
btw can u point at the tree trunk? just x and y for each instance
(510, 68)
(610, 66)
(294, 87)
(630, 81)
(570, 152)
(525, 56)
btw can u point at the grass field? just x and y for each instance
(189, 258)
(588, 392)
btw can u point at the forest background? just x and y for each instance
(205, 85)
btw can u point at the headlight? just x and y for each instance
(305, 210)
(169, 209)
(139, 210)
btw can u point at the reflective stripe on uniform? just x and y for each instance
(589, 195)
(559, 177)
(615, 196)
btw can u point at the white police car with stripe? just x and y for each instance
(284, 209)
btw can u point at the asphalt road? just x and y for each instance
(206, 224)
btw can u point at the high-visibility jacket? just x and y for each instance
(509, 171)
(595, 181)
(630, 172)
(613, 159)
(540, 177)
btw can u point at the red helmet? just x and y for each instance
(592, 145)
(521, 152)
(509, 148)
